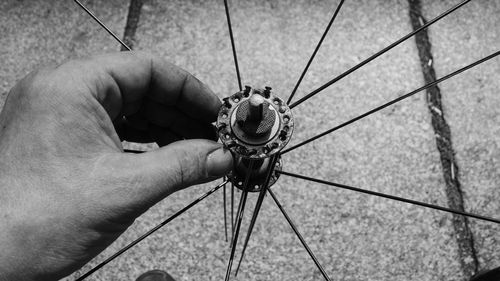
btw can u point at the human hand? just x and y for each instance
(67, 190)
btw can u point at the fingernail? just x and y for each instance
(219, 162)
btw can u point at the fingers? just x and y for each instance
(162, 136)
(187, 89)
(151, 176)
(177, 121)
(137, 83)
(163, 125)
(139, 75)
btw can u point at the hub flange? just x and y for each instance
(254, 127)
(254, 124)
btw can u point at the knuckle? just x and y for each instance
(50, 82)
(189, 168)
(34, 84)
(143, 58)
(142, 54)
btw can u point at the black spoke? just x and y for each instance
(393, 101)
(232, 212)
(103, 25)
(239, 218)
(256, 211)
(237, 214)
(151, 231)
(254, 218)
(225, 212)
(315, 51)
(354, 68)
(294, 228)
(235, 57)
(396, 198)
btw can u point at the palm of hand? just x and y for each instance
(69, 191)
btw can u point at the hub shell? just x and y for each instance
(257, 176)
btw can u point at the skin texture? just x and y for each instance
(67, 189)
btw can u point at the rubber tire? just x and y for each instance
(489, 275)
(155, 275)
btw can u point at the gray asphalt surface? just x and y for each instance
(355, 236)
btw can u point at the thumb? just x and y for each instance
(153, 175)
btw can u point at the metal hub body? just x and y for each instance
(254, 124)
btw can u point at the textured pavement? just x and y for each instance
(471, 105)
(355, 236)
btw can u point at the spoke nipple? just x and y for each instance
(222, 126)
(242, 150)
(247, 90)
(283, 134)
(267, 92)
(226, 102)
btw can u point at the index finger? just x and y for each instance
(140, 75)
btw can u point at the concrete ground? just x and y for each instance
(355, 236)
(471, 105)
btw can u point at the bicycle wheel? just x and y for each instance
(354, 236)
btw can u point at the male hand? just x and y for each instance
(67, 190)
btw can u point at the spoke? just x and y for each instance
(235, 57)
(315, 51)
(396, 198)
(260, 199)
(232, 213)
(153, 230)
(254, 218)
(294, 228)
(237, 215)
(225, 212)
(393, 101)
(103, 25)
(374, 56)
(239, 218)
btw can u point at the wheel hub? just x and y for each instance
(254, 124)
